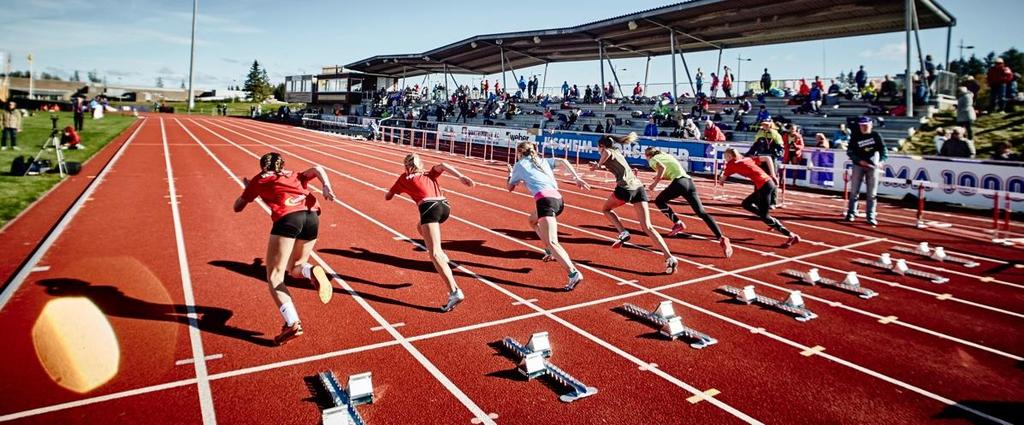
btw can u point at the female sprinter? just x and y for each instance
(668, 167)
(422, 187)
(764, 185)
(295, 213)
(538, 175)
(628, 189)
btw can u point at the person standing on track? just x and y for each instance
(296, 216)
(423, 188)
(764, 184)
(628, 189)
(668, 168)
(538, 175)
(866, 151)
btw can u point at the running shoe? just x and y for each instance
(453, 300)
(623, 238)
(726, 246)
(575, 277)
(547, 256)
(677, 228)
(671, 265)
(319, 277)
(288, 333)
(793, 240)
(873, 222)
(850, 218)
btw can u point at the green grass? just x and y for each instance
(988, 129)
(17, 192)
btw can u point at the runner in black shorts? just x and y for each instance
(421, 185)
(550, 207)
(295, 213)
(628, 189)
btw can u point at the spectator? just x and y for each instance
(485, 87)
(833, 87)
(78, 107)
(956, 146)
(929, 68)
(574, 92)
(638, 91)
(815, 98)
(712, 133)
(920, 90)
(700, 81)
(598, 95)
(861, 78)
(804, 89)
(522, 83)
(869, 93)
(940, 138)
(766, 81)
(1003, 152)
(1013, 92)
(999, 78)
(689, 130)
(70, 139)
(965, 114)
(497, 86)
(588, 95)
(609, 126)
(727, 82)
(867, 153)
(820, 141)
(565, 89)
(744, 107)
(763, 115)
(972, 85)
(888, 87)
(651, 130)
(10, 120)
(714, 85)
(793, 145)
(817, 82)
(609, 91)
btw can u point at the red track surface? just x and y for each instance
(951, 353)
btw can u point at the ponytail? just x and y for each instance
(608, 141)
(272, 163)
(529, 150)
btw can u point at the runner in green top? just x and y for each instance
(628, 189)
(667, 167)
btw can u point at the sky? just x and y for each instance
(133, 42)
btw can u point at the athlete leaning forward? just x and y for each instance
(628, 190)
(296, 217)
(421, 185)
(537, 174)
(667, 167)
(758, 202)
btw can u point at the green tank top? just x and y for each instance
(618, 166)
(673, 169)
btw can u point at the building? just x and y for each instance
(335, 88)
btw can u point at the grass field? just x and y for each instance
(17, 192)
(988, 129)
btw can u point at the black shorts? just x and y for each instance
(630, 196)
(549, 207)
(301, 225)
(434, 211)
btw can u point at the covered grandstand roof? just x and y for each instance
(699, 25)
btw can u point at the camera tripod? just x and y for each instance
(52, 141)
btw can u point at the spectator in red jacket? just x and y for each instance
(712, 133)
(70, 139)
(804, 90)
(793, 145)
(999, 78)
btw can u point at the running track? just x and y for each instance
(157, 248)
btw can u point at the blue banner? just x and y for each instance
(694, 155)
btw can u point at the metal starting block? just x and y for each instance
(937, 254)
(899, 267)
(532, 365)
(669, 324)
(850, 284)
(793, 305)
(360, 391)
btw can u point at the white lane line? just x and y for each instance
(183, 362)
(194, 336)
(426, 363)
(393, 325)
(33, 261)
(40, 269)
(526, 301)
(94, 400)
(622, 353)
(869, 372)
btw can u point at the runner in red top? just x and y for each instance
(764, 187)
(423, 188)
(295, 214)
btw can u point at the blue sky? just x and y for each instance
(136, 41)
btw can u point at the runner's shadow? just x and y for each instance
(112, 302)
(1009, 411)
(357, 253)
(513, 374)
(525, 235)
(616, 269)
(258, 271)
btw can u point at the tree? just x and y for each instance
(76, 77)
(1014, 59)
(257, 83)
(279, 92)
(160, 82)
(93, 77)
(183, 83)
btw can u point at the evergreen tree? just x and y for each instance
(279, 92)
(76, 77)
(160, 82)
(182, 83)
(93, 77)
(257, 83)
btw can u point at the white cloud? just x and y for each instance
(887, 52)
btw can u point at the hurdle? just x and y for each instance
(669, 324)
(343, 411)
(899, 267)
(793, 305)
(938, 254)
(531, 364)
(850, 284)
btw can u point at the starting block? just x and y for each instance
(850, 284)
(532, 365)
(794, 305)
(937, 254)
(900, 267)
(669, 324)
(360, 391)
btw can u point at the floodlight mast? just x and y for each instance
(192, 58)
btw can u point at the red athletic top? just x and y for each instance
(284, 193)
(747, 167)
(418, 185)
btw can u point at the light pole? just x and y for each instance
(739, 67)
(962, 47)
(192, 57)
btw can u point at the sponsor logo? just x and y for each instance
(295, 201)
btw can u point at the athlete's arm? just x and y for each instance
(575, 175)
(320, 174)
(462, 177)
(509, 184)
(240, 204)
(659, 171)
(600, 162)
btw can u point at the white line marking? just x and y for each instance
(40, 269)
(33, 261)
(94, 400)
(205, 397)
(393, 325)
(183, 362)
(527, 301)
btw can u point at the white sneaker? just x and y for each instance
(15, 148)
(3, 148)
(574, 279)
(453, 300)
(623, 238)
(671, 265)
